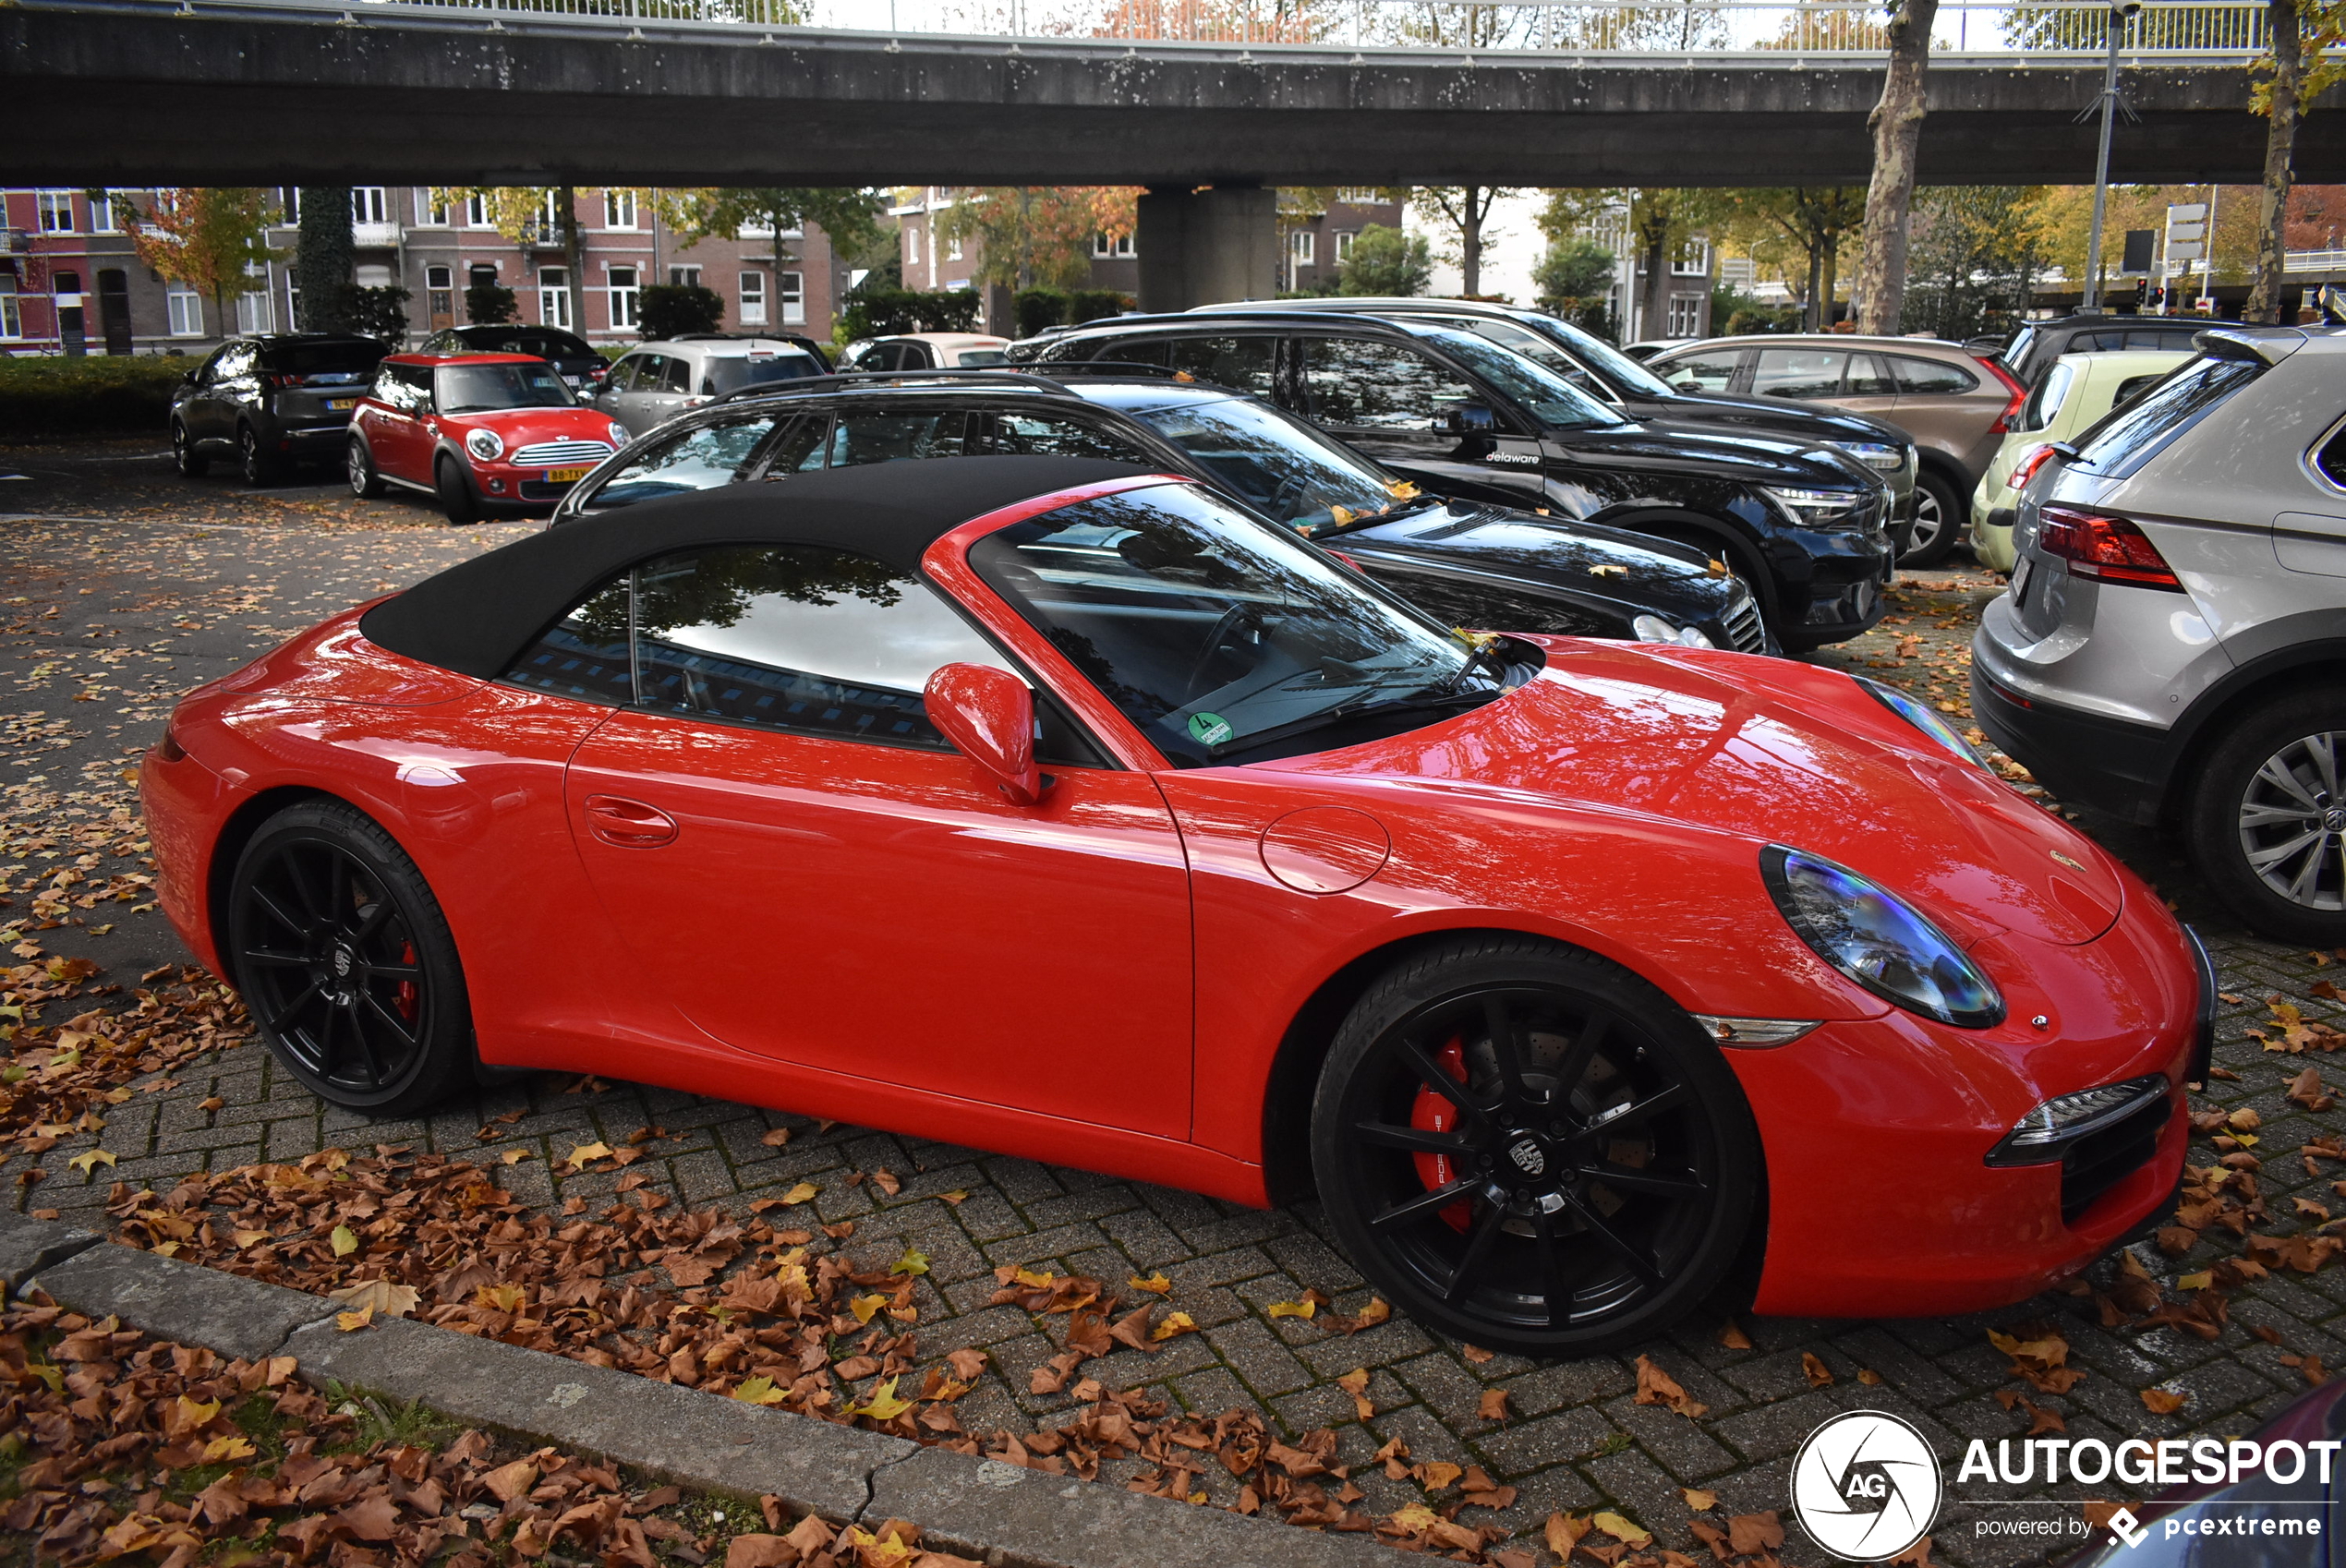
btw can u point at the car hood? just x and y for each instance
(1753, 457)
(1811, 422)
(519, 425)
(1585, 563)
(1768, 752)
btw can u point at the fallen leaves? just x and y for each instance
(2306, 1090)
(1658, 1387)
(1155, 1285)
(2161, 1402)
(1818, 1374)
(1492, 1407)
(377, 1297)
(2041, 1358)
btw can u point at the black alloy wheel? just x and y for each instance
(191, 463)
(2267, 828)
(256, 463)
(364, 483)
(456, 498)
(1529, 1148)
(345, 962)
(1939, 516)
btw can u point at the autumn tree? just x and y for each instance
(208, 238)
(2295, 67)
(528, 213)
(1037, 236)
(1896, 123)
(849, 217)
(1465, 210)
(1810, 219)
(1659, 220)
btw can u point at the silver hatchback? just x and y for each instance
(2172, 648)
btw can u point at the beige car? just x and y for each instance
(2077, 390)
(1952, 403)
(925, 351)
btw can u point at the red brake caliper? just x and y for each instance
(1432, 1113)
(403, 998)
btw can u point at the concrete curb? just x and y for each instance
(1010, 1516)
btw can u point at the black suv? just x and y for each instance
(567, 351)
(1807, 526)
(2035, 345)
(1470, 564)
(1611, 376)
(270, 400)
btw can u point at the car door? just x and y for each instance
(814, 875)
(1958, 411)
(200, 410)
(226, 378)
(1801, 373)
(635, 380)
(376, 419)
(1416, 415)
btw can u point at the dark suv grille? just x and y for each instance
(1746, 631)
(2101, 1160)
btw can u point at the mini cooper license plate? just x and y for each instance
(564, 475)
(341, 405)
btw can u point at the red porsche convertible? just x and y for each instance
(1063, 809)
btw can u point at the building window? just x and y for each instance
(953, 248)
(252, 306)
(753, 299)
(289, 204)
(1302, 247)
(367, 204)
(433, 215)
(440, 295)
(1105, 248)
(1360, 195)
(56, 207)
(183, 309)
(476, 212)
(1692, 260)
(1685, 316)
(550, 213)
(623, 297)
(619, 209)
(683, 277)
(105, 213)
(912, 245)
(553, 297)
(11, 317)
(1344, 238)
(793, 288)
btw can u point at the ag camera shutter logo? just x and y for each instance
(1865, 1486)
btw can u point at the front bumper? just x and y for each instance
(1877, 1131)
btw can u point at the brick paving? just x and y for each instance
(1576, 1439)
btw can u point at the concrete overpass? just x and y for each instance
(129, 93)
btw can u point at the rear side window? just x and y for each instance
(2131, 437)
(2045, 402)
(725, 375)
(704, 459)
(1710, 371)
(1364, 385)
(1869, 376)
(859, 437)
(1932, 377)
(2331, 459)
(1242, 363)
(1799, 372)
(1006, 434)
(678, 377)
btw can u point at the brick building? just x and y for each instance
(66, 270)
(1314, 244)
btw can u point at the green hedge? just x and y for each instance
(50, 394)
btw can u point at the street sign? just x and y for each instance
(2190, 251)
(2141, 244)
(2186, 212)
(2186, 232)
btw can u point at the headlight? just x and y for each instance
(1878, 940)
(1820, 509)
(2038, 1138)
(487, 445)
(1876, 454)
(1921, 715)
(618, 437)
(1653, 629)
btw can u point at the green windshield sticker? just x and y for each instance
(1209, 729)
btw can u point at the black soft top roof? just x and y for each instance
(476, 616)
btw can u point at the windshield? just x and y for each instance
(2124, 441)
(724, 375)
(980, 356)
(1223, 640)
(542, 341)
(347, 358)
(1539, 390)
(1279, 465)
(484, 389)
(1608, 361)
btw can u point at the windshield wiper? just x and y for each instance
(1353, 709)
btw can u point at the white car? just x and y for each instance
(2077, 390)
(650, 384)
(926, 351)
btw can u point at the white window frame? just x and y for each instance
(1344, 238)
(621, 209)
(183, 310)
(11, 317)
(1692, 260)
(912, 245)
(624, 299)
(793, 290)
(953, 248)
(1685, 316)
(476, 212)
(288, 205)
(101, 213)
(369, 204)
(1360, 195)
(1304, 247)
(753, 299)
(429, 214)
(1119, 248)
(52, 211)
(553, 299)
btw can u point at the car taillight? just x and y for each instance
(2019, 394)
(2105, 549)
(2025, 470)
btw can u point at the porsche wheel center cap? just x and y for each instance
(343, 963)
(1528, 1152)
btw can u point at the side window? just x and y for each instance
(583, 655)
(1799, 372)
(1932, 377)
(1244, 363)
(2330, 460)
(993, 435)
(1121, 351)
(416, 381)
(1540, 350)
(1869, 378)
(209, 371)
(695, 460)
(1707, 372)
(916, 356)
(1350, 381)
(236, 361)
(678, 376)
(2045, 402)
(386, 389)
(858, 438)
(797, 637)
(622, 373)
(801, 449)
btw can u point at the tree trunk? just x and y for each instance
(1656, 319)
(1811, 320)
(2281, 137)
(574, 254)
(1471, 240)
(1896, 123)
(1832, 280)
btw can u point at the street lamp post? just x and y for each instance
(2115, 26)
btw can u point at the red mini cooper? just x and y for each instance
(487, 433)
(1053, 807)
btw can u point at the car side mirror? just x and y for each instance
(188, 377)
(988, 715)
(1469, 419)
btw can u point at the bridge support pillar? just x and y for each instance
(1207, 246)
